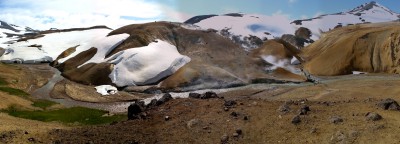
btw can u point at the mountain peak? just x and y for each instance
(371, 5)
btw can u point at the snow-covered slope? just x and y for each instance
(146, 65)
(241, 27)
(47, 48)
(133, 66)
(9, 33)
(367, 13)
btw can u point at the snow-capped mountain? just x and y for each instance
(248, 29)
(366, 13)
(9, 33)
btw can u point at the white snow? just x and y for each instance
(359, 72)
(325, 23)
(146, 65)
(106, 90)
(277, 24)
(52, 45)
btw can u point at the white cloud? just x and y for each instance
(170, 14)
(45, 14)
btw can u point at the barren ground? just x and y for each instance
(206, 121)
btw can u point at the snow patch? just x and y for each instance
(106, 90)
(146, 65)
(359, 72)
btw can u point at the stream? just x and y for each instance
(120, 107)
(44, 93)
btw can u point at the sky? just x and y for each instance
(46, 14)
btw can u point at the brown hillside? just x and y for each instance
(210, 53)
(371, 48)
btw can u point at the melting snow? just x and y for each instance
(146, 65)
(106, 90)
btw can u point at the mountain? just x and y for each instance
(371, 12)
(9, 33)
(250, 30)
(372, 48)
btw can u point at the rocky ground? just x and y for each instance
(343, 109)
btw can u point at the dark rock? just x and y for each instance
(166, 97)
(304, 110)
(194, 95)
(239, 131)
(131, 142)
(26, 132)
(389, 104)
(152, 103)
(336, 119)
(234, 114)
(296, 120)
(209, 95)
(57, 142)
(246, 118)
(167, 118)
(152, 90)
(133, 111)
(230, 103)
(284, 108)
(224, 139)
(371, 116)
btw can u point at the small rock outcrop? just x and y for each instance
(388, 104)
(336, 120)
(296, 120)
(371, 116)
(133, 111)
(206, 95)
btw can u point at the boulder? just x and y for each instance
(371, 116)
(388, 104)
(133, 111)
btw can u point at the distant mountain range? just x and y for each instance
(9, 33)
(242, 28)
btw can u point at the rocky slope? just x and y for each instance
(214, 60)
(367, 47)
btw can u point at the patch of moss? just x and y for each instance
(13, 91)
(43, 103)
(3, 82)
(81, 115)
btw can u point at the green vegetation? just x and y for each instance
(43, 103)
(3, 82)
(13, 91)
(81, 115)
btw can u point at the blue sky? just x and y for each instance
(45, 14)
(294, 8)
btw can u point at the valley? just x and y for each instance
(218, 78)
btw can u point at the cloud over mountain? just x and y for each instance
(45, 14)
